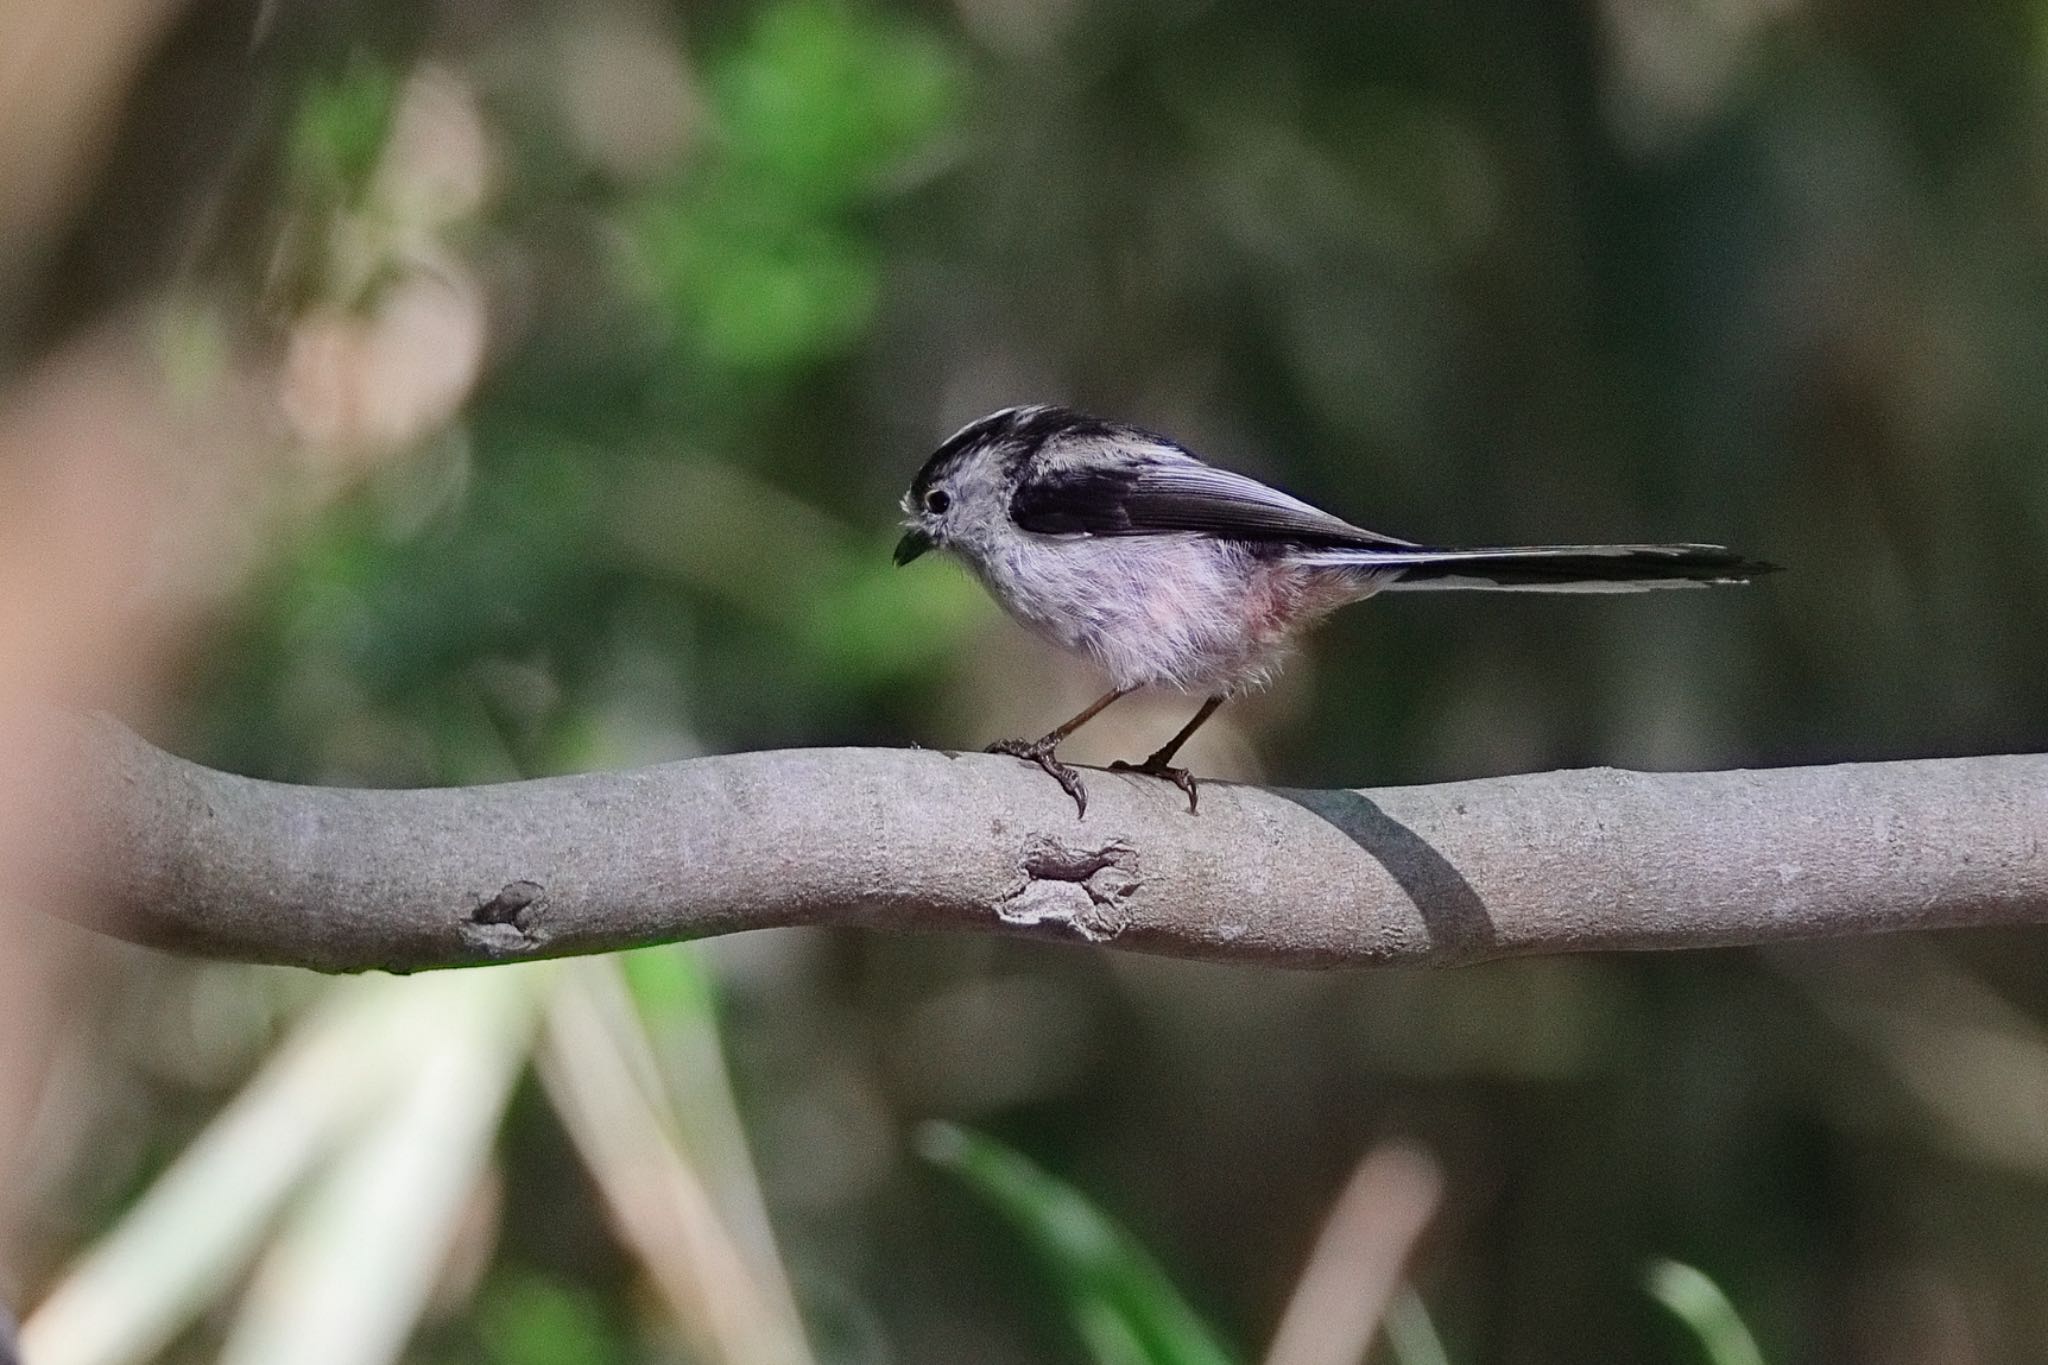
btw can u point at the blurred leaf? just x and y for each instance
(750, 253)
(535, 1320)
(670, 986)
(1699, 1303)
(753, 292)
(1411, 1335)
(823, 99)
(774, 303)
(339, 130)
(1125, 1308)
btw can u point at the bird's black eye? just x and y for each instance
(937, 501)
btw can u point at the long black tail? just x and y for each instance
(1560, 568)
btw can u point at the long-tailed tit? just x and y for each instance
(1118, 544)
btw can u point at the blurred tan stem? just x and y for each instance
(1355, 1269)
(684, 1078)
(196, 1229)
(348, 1277)
(660, 1206)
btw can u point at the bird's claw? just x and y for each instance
(1152, 767)
(1041, 752)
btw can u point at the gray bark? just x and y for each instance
(343, 880)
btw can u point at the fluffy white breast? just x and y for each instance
(1181, 611)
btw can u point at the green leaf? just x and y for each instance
(339, 129)
(1699, 1303)
(671, 987)
(757, 256)
(1120, 1301)
(778, 304)
(823, 100)
(750, 289)
(530, 1319)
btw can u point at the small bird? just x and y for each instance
(1120, 545)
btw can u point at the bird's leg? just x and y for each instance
(1041, 750)
(1159, 764)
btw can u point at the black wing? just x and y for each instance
(1156, 496)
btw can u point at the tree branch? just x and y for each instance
(344, 880)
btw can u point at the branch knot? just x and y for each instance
(1084, 889)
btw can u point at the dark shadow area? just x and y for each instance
(1457, 918)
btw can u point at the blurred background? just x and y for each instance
(448, 392)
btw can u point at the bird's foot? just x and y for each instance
(1041, 752)
(1156, 766)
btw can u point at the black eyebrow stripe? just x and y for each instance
(1024, 429)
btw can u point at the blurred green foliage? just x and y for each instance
(527, 1320)
(755, 249)
(1120, 1301)
(339, 132)
(1698, 1302)
(672, 988)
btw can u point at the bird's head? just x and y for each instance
(962, 497)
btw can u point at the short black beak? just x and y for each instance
(913, 544)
